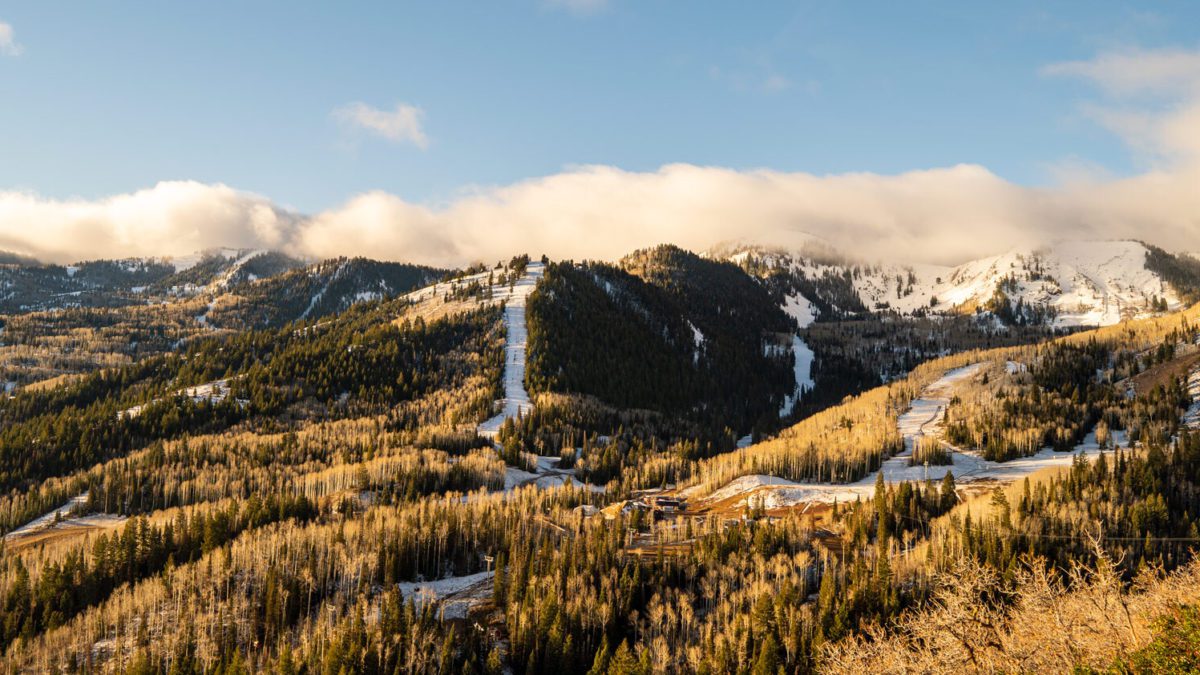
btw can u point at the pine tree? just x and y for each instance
(767, 662)
(948, 492)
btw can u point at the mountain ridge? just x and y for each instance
(1068, 284)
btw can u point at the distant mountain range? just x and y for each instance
(1067, 284)
(247, 287)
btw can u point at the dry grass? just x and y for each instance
(67, 532)
(1047, 625)
(54, 382)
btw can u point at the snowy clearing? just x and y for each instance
(60, 523)
(547, 475)
(925, 414)
(223, 281)
(697, 341)
(1088, 283)
(776, 493)
(42, 522)
(747, 484)
(455, 594)
(515, 478)
(923, 417)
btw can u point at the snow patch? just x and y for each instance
(213, 392)
(803, 357)
(546, 475)
(746, 484)
(799, 308)
(925, 414)
(1191, 418)
(698, 341)
(514, 478)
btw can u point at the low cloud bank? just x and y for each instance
(939, 215)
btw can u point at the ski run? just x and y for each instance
(516, 400)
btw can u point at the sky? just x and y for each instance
(447, 132)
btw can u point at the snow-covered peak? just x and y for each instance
(1085, 282)
(1070, 283)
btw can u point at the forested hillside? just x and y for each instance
(1182, 272)
(317, 291)
(854, 355)
(58, 323)
(360, 364)
(666, 331)
(106, 283)
(223, 269)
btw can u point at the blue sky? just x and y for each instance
(446, 132)
(107, 98)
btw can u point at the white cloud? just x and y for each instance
(1164, 128)
(402, 125)
(776, 82)
(604, 212)
(1134, 72)
(578, 6)
(8, 41)
(172, 218)
(758, 78)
